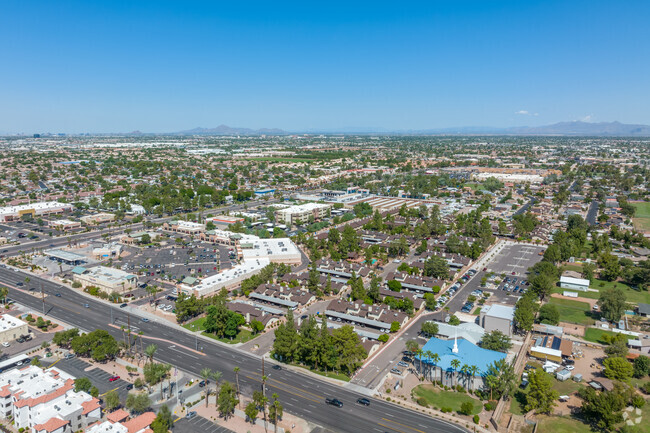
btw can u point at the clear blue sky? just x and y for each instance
(154, 66)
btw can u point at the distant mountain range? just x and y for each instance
(227, 130)
(576, 128)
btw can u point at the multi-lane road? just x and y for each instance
(301, 394)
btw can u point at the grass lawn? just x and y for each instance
(633, 296)
(330, 374)
(562, 424)
(441, 398)
(477, 311)
(596, 335)
(573, 311)
(567, 387)
(573, 267)
(642, 215)
(243, 335)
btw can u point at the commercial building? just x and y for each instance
(186, 227)
(108, 279)
(64, 256)
(301, 214)
(265, 191)
(120, 421)
(10, 213)
(99, 218)
(228, 279)
(497, 317)
(112, 249)
(12, 328)
(45, 401)
(225, 220)
(278, 250)
(574, 283)
(64, 224)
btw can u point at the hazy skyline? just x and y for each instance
(156, 66)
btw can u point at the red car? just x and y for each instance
(113, 378)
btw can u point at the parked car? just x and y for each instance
(69, 356)
(190, 414)
(5, 344)
(113, 378)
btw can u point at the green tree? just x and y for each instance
(618, 368)
(394, 285)
(429, 328)
(163, 421)
(641, 366)
(226, 400)
(285, 344)
(610, 267)
(82, 384)
(500, 378)
(617, 348)
(112, 400)
(604, 409)
(138, 402)
(549, 314)
(541, 395)
(466, 408)
(275, 411)
(251, 411)
(394, 326)
(496, 340)
(612, 303)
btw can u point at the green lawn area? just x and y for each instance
(243, 335)
(642, 215)
(474, 186)
(573, 311)
(573, 267)
(330, 374)
(562, 424)
(633, 296)
(477, 311)
(440, 398)
(596, 335)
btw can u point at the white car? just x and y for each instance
(569, 367)
(168, 308)
(161, 306)
(5, 344)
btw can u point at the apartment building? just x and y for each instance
(301, 214)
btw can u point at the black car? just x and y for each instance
(129, 386)
(334, 402)
(58, 295)
(277, 367)
(123, 305)
(363, 401)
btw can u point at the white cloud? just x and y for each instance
(587, 118)
(523, 112)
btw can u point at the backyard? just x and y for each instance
(632, 295)
(439, 398)
(573, 311)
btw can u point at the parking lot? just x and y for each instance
(99, 378)
(198, 424)
(515, 259)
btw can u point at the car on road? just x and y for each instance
(364, 401)
(144, 319)
(86, 306)
(334, 402)
(129, 386)
(19, 284)
(276, 367)
(113, 378)
(190, 414)
(58, 295)
(69, 356)
(123, 305)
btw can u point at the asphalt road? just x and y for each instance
(300, 394)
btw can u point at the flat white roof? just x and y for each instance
(43, 205)
(577, 281)
(10, 322)
(499, 311)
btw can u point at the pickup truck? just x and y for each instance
(334, 402)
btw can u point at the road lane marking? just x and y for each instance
(286, 390)
(403, 425)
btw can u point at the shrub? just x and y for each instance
(638, 401)
(422, 402)
(446, 409)
(488, 406)
(459, 388)
(476, 419)
(646, 387)
(466, 408)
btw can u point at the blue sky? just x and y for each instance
(155, 66)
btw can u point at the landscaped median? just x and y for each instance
(243, 335)
(437, 398)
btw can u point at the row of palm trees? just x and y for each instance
(467, 371)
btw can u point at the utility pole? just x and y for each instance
(128, 322)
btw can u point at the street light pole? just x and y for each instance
(43, 298)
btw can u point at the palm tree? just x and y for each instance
(435, 359)
(473, 370)
(206, 374)
(429, 354)
(455, 363)
(419, 353)
(236, 370)
(150, 351)
(277, 411)
(4, 292)
(216, 375)
(465, 372)
(264, 378)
